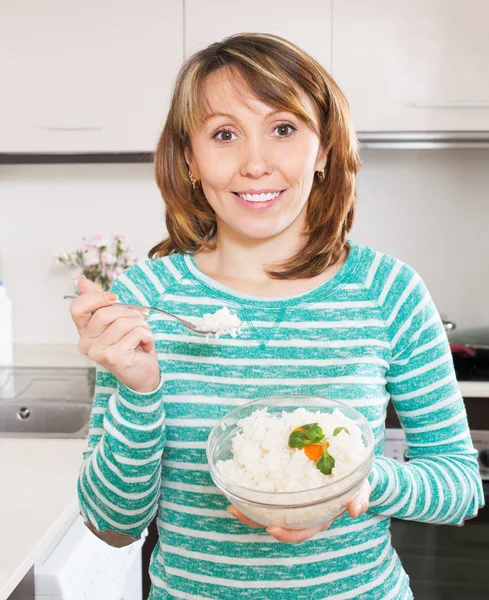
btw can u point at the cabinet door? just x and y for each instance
(91, 76)
(306, 23)
(413, 65)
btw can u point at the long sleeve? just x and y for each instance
(120, 477)
(441, 481)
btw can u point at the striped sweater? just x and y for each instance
(368, 335)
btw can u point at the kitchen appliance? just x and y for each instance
(446, 562)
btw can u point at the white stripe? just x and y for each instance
(100, 450)
(352, 594)
(425, 390)
(196, 445)
(392, 487)
(99, 410)
(346, 304)
(107, 503)
(435, 426)
(160, 584)
(286, 362)
(173, 270)
(276, 562)
(261, 539)
(446, 358)
(373, 270)
(342, 324)
(407, 324)
(456, 438)
(94, 431)
(435, 342)
(280, 583)
(216, 400)
(140, 408)
(130, 425)
(354, 379)
(352, 286)
(197, 300)
(184, 422)
(427, 491)
(441, 496)
(187, 487)
(133, 288)
(105, 389)
(192, 510)
(404, 296)
(144, 265)
(431, 407)
(88, 498)
(389, 281)
(449, 482)
(176, 464)
(110, 429)
(138, 462)
(119, 492)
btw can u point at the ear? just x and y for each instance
(321, 160)
(191, 163)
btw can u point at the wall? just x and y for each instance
(428, 208)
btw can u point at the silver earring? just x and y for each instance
(193, 181)
(321, 174)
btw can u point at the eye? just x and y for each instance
(226, 135)
(283, 129)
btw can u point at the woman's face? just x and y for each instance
(256, 165)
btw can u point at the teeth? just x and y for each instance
(259, 197)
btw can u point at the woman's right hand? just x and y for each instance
(117, 338)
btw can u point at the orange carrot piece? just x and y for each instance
(313, 451)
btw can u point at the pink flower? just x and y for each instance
(99, 240)
(108, 258)
(91, 258)
(120, 237)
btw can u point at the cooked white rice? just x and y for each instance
(222, 322)
(262, 460)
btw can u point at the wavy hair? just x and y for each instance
(276, 72)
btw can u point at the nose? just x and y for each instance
(255, 160)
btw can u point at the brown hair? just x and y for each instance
(275, 71)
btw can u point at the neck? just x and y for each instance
(236, 257)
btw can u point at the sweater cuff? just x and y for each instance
(141, 398)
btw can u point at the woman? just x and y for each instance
(257, 165)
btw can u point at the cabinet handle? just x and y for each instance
(74, 127)
(451, 105)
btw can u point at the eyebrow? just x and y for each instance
(228, 116)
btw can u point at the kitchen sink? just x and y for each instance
(45, 402)
(44, 418)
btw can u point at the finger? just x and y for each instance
(84, 285)
(107, 316)
(95, 335)
(359, 504)
(112, 355)
(243, 518)
(290, 536)
(81, 308)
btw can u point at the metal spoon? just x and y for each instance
(191, 326)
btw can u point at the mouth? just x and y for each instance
(259, 201)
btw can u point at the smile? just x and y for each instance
(259, 202)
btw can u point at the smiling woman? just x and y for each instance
(256, 164)
(269, 114)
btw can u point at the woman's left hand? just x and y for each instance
(356, 507)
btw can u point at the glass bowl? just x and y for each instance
(298, 509)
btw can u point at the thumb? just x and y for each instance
(84, 286)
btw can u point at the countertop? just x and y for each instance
(38, 501)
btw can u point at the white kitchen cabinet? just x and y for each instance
(306, 23)
(413, 65)
(91, 76)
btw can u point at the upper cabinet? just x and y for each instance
(306, 23)
(91, 76)
(413, 65)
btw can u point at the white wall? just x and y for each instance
(428, 208)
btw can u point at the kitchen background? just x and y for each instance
(85, 88)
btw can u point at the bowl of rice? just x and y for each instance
(292, 461)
